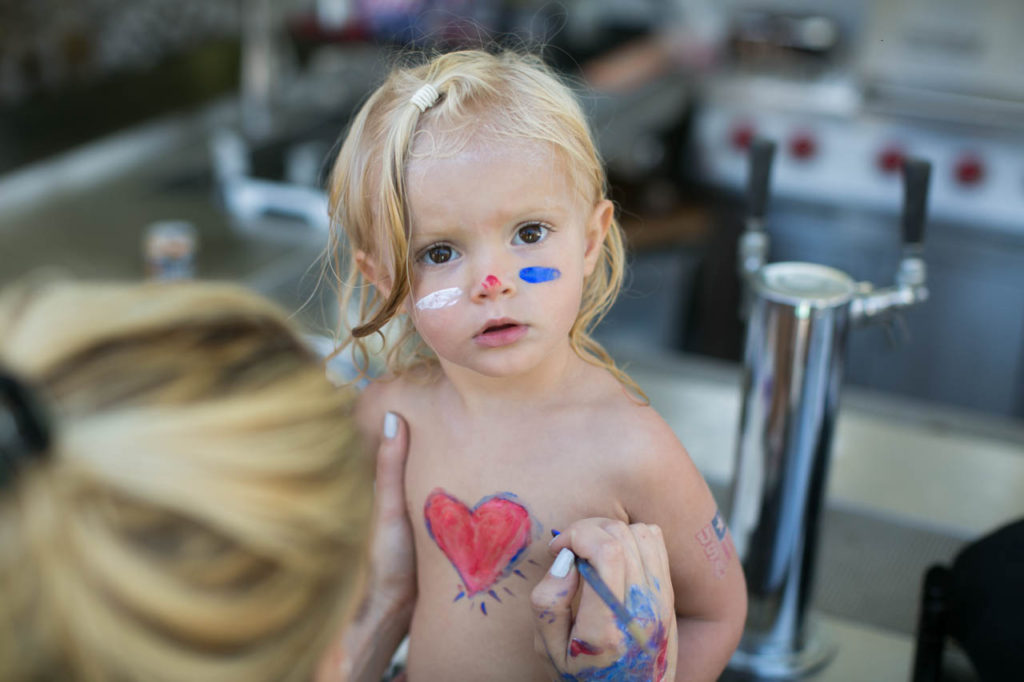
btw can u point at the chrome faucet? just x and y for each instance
(910, 289)
(247, 198)
(798, 316)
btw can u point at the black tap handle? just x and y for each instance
(761, 154)
(916, 175)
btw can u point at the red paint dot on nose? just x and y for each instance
(491, 281)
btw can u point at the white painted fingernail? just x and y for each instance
(390, 425)
(560, 566)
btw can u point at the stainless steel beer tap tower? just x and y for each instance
(798, 315)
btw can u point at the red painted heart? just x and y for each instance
(482, 543)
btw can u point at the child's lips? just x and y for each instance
(500, 332)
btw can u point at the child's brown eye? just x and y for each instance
(442, 253)
(530, 234)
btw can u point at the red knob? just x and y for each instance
(742, 135)
(969, 170)
(890, 160)
(803, 146)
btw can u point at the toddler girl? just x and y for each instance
(473, 202)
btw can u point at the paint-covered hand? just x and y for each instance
(577, 632)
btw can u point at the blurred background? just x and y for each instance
(167, 138)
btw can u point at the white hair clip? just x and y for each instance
(425, 97)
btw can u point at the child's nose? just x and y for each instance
(493, 287)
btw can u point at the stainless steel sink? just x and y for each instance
(93, 229)
(85, 213)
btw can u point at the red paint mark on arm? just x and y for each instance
(712, 549)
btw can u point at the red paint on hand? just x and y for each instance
(482, 543)
(578, 646)
(661, 664)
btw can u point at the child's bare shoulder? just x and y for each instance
(639, 437)
(406, 395)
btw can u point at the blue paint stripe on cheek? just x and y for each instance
(535, 274)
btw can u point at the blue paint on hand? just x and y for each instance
(536, 274)
(639, 663)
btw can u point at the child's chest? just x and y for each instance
(483, 507)
(507, 483)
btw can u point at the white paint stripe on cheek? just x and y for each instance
(442, 298)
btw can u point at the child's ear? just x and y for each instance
(597, 229)
(374, 273)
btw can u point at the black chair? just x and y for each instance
(978, 602)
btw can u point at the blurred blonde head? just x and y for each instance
(204, 510)
(504, 98)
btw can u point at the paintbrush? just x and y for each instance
(635, 630)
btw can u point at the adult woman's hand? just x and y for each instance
(365, 647)
(576, 631)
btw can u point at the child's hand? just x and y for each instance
(578, 633)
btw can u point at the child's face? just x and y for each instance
(501, 243)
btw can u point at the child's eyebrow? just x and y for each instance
(510, 218)
(425, 236)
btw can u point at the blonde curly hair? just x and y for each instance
(511, 97)
(203, 511)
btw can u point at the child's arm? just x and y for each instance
(665, 488)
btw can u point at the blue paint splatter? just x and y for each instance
(491, 592)
(536, 274)
(640, 604)
(555, 533)
(483, 607)
(519, 573)
(461, 595)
